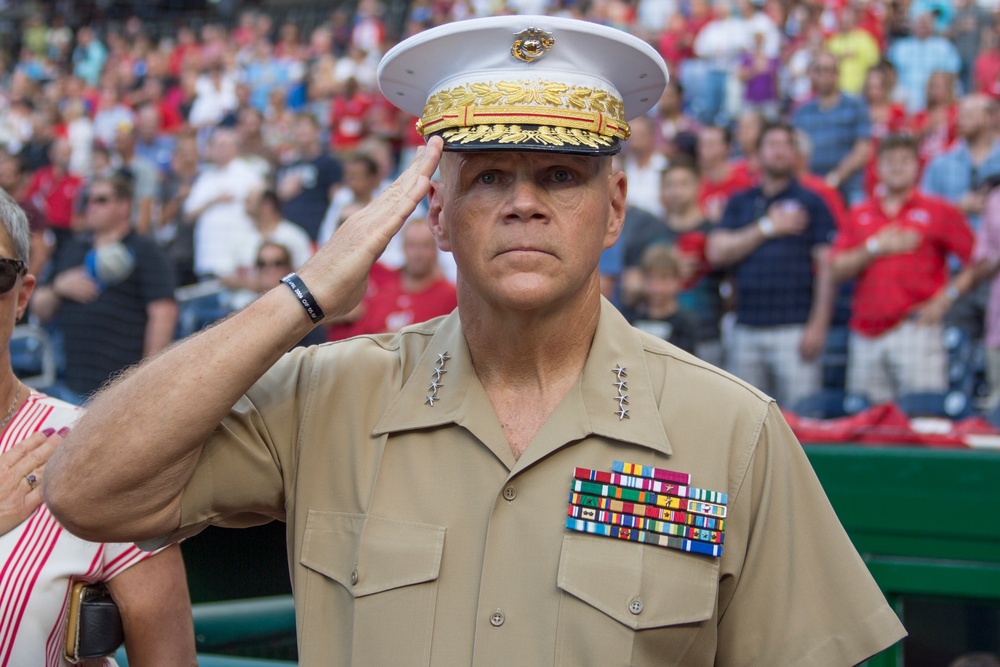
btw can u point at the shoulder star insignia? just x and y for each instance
(621, 384)
(434, 386)
(443, 357)
(619, 371)
(623, 399)
(438, 372)
(431, 399)
(622, 413)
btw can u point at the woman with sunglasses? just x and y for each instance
(39, 560)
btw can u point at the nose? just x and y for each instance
(527, 201)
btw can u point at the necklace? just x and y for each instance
(10, 410)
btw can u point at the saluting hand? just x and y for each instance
(337, 274)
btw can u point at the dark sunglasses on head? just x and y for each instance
(10, 269)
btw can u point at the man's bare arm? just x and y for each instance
(141, 438)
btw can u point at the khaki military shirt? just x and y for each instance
(416, 538)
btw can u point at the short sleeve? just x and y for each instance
(847, 236)
(240, 479)
(801, 594)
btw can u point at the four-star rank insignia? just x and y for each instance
(649, 505)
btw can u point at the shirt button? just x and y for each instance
(510, 493)
(496, 619)
(354, 577)
(635, 606)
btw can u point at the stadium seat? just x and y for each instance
(830, 404)
(948, 404)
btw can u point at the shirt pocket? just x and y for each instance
(369, 579)
(624, 603)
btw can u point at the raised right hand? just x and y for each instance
(338, 273)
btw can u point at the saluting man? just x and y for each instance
(525, 481)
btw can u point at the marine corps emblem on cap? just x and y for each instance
(469, 84)
(531, 43)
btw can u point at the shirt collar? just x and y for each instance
(589, 408)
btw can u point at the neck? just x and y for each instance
(717, 172)
(10, 386)
(111, 235)
(685, 218)
(829, 99)
(540, 352)
(268, 223)
(416, 283)
(894, 199)
(981, 142)
(771, 185)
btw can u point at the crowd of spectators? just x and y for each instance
(243, 144)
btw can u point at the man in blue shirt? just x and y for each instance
(918, 56)
(776, 238)
(839, 128)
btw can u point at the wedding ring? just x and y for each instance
(32, 479)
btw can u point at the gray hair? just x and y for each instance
(15, 223)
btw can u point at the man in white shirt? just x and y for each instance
(217, 206)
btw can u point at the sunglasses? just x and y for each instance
(274, 264)
(98, 199)
(10, 269)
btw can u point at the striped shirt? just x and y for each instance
(40, 561)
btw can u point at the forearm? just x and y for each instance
(853, 161)
(156, 611)
(45, 303)
(848, 264)
(141, 437)
(160, 326)
(727, 247)
(824, 289)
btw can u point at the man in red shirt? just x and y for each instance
(415, 292)
(898, 246)
(53, 190)
(719, 181)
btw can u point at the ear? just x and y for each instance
(617, 191)
(24, 295)
(436, 217)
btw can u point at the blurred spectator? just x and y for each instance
(215, 92)
(413, 293)
(987, 262)
(700, 284)
(798, 86)
(111, 115)
(986, 69)
(887, 117)
(88, 56)
(659, 313)
(719, 181)
(718, 47)
(935, 127)
(308, 183)
(960, 174)
(830, 196)
(361, 184)
(672, 121)
(80, 134)
(142, 173)
(35, 152)
(644, 166)
(112, 289)
(897, 246)
(965, 32)
(14, 181)
(348, 112)
(175, 233)
(838, 126)
(152, 142)
(749, 125)
(262, 158)
(916, 57)
(759, 74)
(53, 191)
(217, 206)
(856, 50)
(776, 237)
(264, 209)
